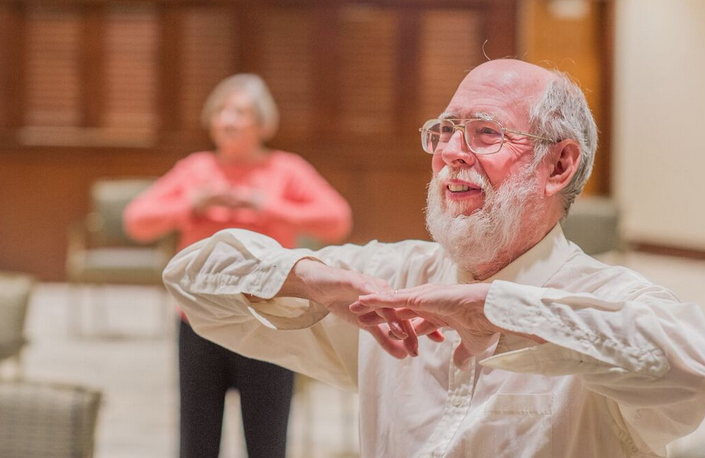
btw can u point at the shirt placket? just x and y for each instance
(460, 388)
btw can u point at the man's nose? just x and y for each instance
(456, 152)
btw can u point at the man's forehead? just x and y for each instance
(498, 89)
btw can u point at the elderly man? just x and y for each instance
(532, 348)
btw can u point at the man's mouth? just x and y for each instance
(459, 188)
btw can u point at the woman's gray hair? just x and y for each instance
(563, 113)
(262, 101)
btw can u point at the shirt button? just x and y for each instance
(457, 402)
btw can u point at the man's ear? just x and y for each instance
(563, 160)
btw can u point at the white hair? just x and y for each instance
(563, 113)
(262, 101)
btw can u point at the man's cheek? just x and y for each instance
(437, 164)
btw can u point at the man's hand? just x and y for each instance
(338, 288)
(460, 307)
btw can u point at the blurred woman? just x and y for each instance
(241, 184)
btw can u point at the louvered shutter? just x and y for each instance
(52, 66)
(368, 69)
(450, 48)
(208, 53)
(285, 63)
(131, 68)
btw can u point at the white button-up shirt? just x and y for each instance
(621, 375)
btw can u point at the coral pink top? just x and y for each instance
(296, 200)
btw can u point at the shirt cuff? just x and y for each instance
(264, 282)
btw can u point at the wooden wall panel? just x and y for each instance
(43, 191)
(391, 207)
(4, 63)
(387, 204)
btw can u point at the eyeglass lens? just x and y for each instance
(481, 136)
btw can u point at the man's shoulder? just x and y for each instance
(587, 274)
(585, 265)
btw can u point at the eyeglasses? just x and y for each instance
(482, 136)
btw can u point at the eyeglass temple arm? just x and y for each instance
(527, 134)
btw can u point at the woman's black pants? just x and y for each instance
(206, 372)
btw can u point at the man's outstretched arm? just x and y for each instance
(239, 289)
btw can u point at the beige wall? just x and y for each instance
(659, 121)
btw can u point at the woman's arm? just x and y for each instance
(163, 207)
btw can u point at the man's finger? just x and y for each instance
(395, 323)
(394, 299)
(359, 309)
(424, 327)
(372, 317)
(436, 336)
(411, 343)
(391, 346)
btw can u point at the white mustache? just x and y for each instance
(469, 175)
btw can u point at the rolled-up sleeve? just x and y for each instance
(645, 351)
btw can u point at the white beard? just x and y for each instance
(484, 238)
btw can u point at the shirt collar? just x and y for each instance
(537, 265)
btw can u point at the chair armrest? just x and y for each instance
(47, 419)
(15, 292)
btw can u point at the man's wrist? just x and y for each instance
(295, 284)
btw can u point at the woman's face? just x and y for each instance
(235, 129)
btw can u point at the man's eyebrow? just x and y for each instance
(486, 116)
(471, 115)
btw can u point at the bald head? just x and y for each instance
(505, 88)
(515, 77)
(512, 71)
